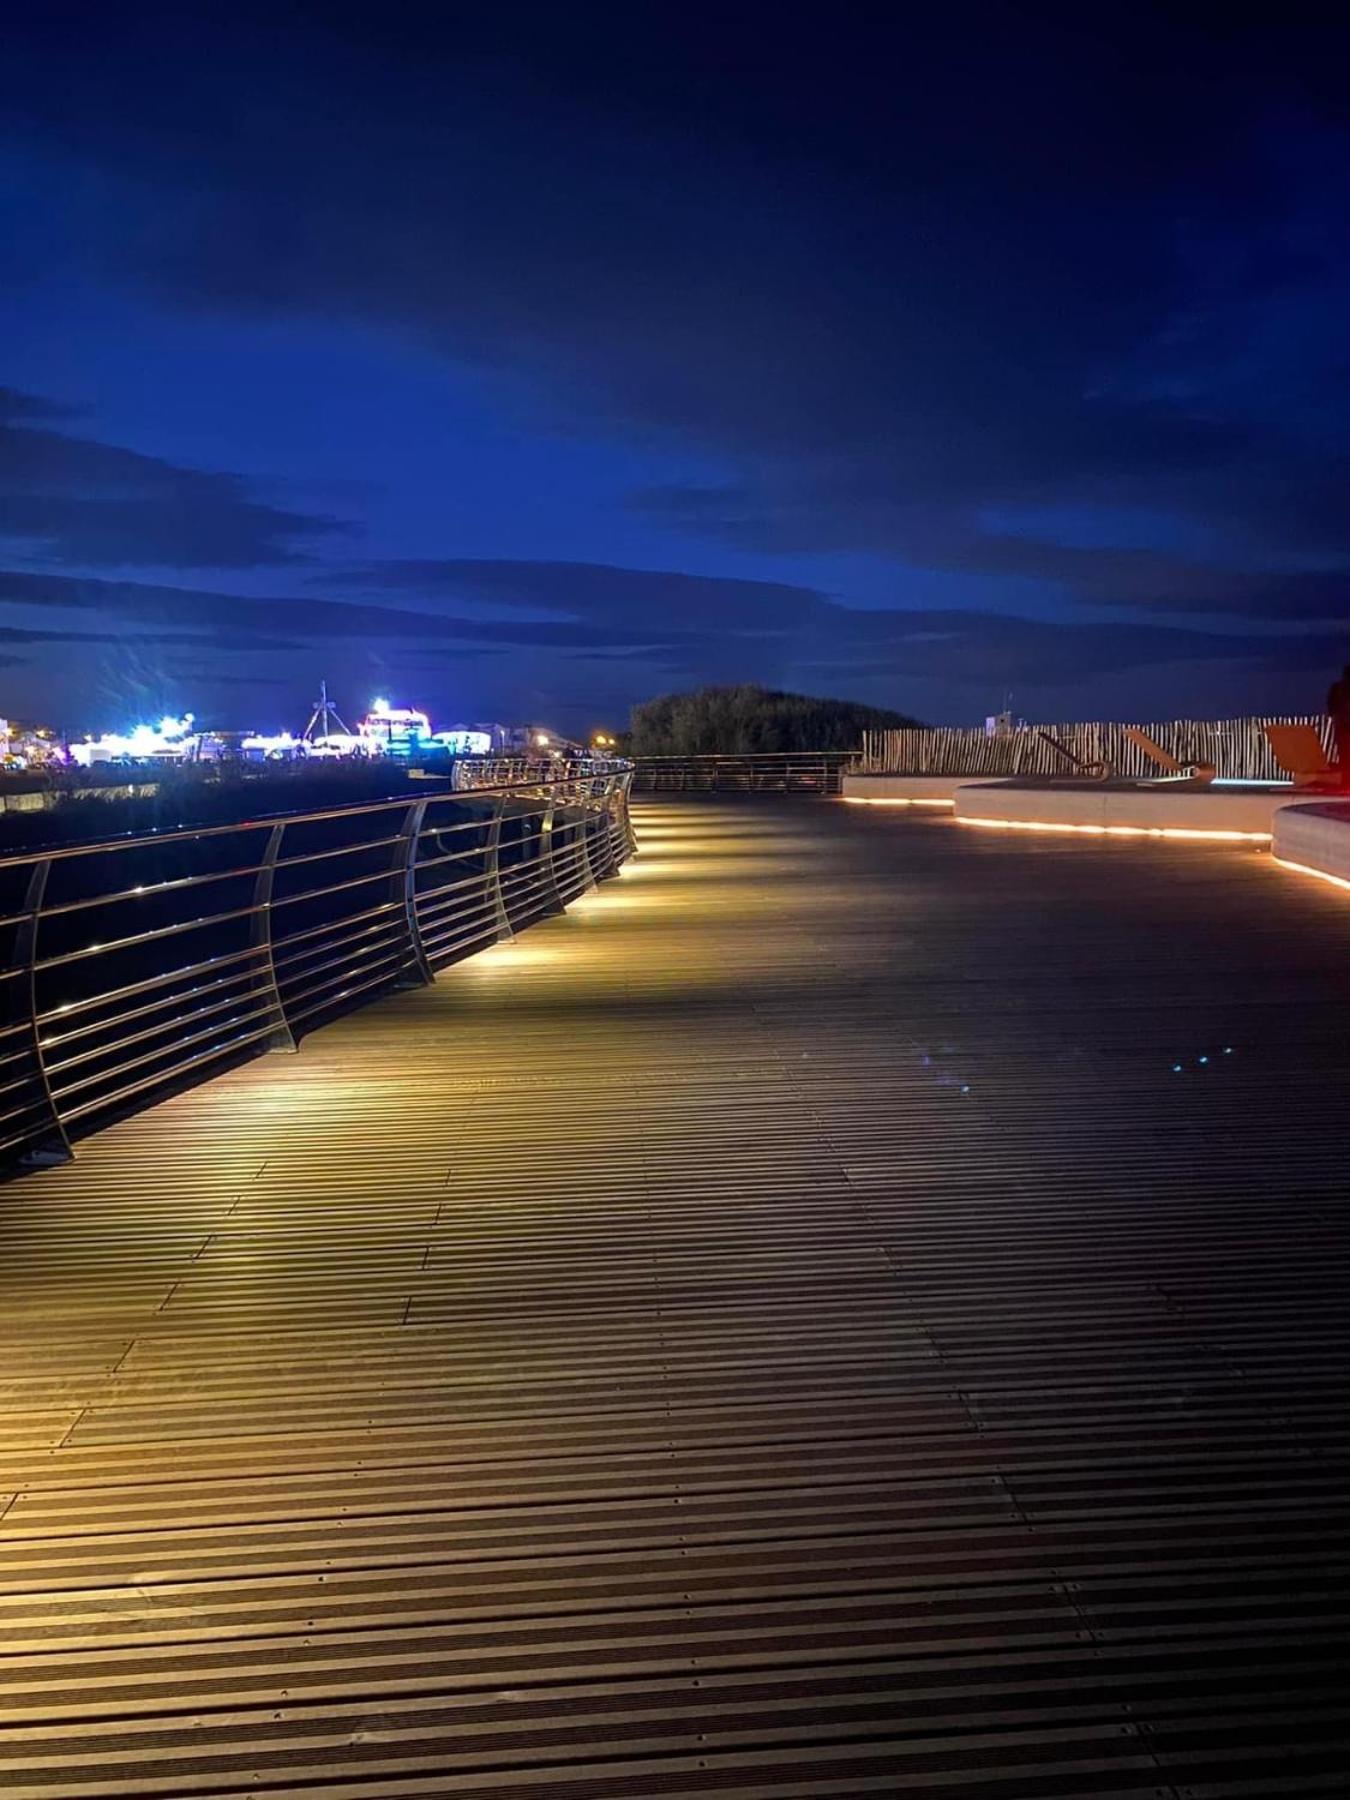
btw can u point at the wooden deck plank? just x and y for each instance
(787, 1327)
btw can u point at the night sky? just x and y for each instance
(523, 362)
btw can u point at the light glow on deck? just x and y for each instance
(1125, 831)
(892, 800)
(1318, 874)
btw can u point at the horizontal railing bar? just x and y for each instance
(155, 887)
(437, 896)
(371, 936)
(40, 1105)
(474, 937)
(130, 989)
(58, 1065)
(300, 983)
(157, 933)
(265, 822)
(437, 928)
(436, 862)
(26, 1080)
(313, 856)
(304, 1012)
(335, 887)
(296, 981)
(292, 978)
(311, 931)
(143, 1012)
(61, 1090)
(106, 1101)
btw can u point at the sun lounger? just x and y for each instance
(1299, 751)
(1090, 771)
(1200, 772)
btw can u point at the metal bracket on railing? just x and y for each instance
(417, 971)
(501, 917)
(260, 938)
(49, 1141)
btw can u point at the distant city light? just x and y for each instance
(170, 738)
(280, 743)
(396, 730)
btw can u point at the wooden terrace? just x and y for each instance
(857, 1306)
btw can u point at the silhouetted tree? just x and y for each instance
(731, 721)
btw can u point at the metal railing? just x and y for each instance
(769, 772)
(499, 771)
(134, 966)
(1237, 748)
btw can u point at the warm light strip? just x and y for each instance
(867, 800)
(1320, 874)
(1132, 831)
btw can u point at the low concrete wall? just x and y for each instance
(1119, 809)
(903, 790)
(1315, 840)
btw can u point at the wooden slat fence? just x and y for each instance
(1237, 748)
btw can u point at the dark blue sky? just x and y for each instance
(525, 361)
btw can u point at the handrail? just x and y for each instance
(291, 935)
(168, 834)
(756, 772)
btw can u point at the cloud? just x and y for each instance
(76, 501)
(247, 622)
(697, 622)
(599, 591)
(17, 407)
(647, 628)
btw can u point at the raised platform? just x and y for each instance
(1315, 840)
(1225, 812)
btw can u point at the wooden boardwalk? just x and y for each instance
(788, 1328)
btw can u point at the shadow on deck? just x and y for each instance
(854, 1307)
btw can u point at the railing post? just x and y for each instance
(260, 938)
(50, 1144)
(494, 871)
(625, 795)
(612, 836)
(546, 869)
(417, 970)
(590, 849)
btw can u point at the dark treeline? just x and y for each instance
(732, 721)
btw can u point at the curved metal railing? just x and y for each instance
(134, 966)
(499, 771)
(761, 772)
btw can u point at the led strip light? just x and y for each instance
(1317, 874)
(1129, 831)
(892, 800)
